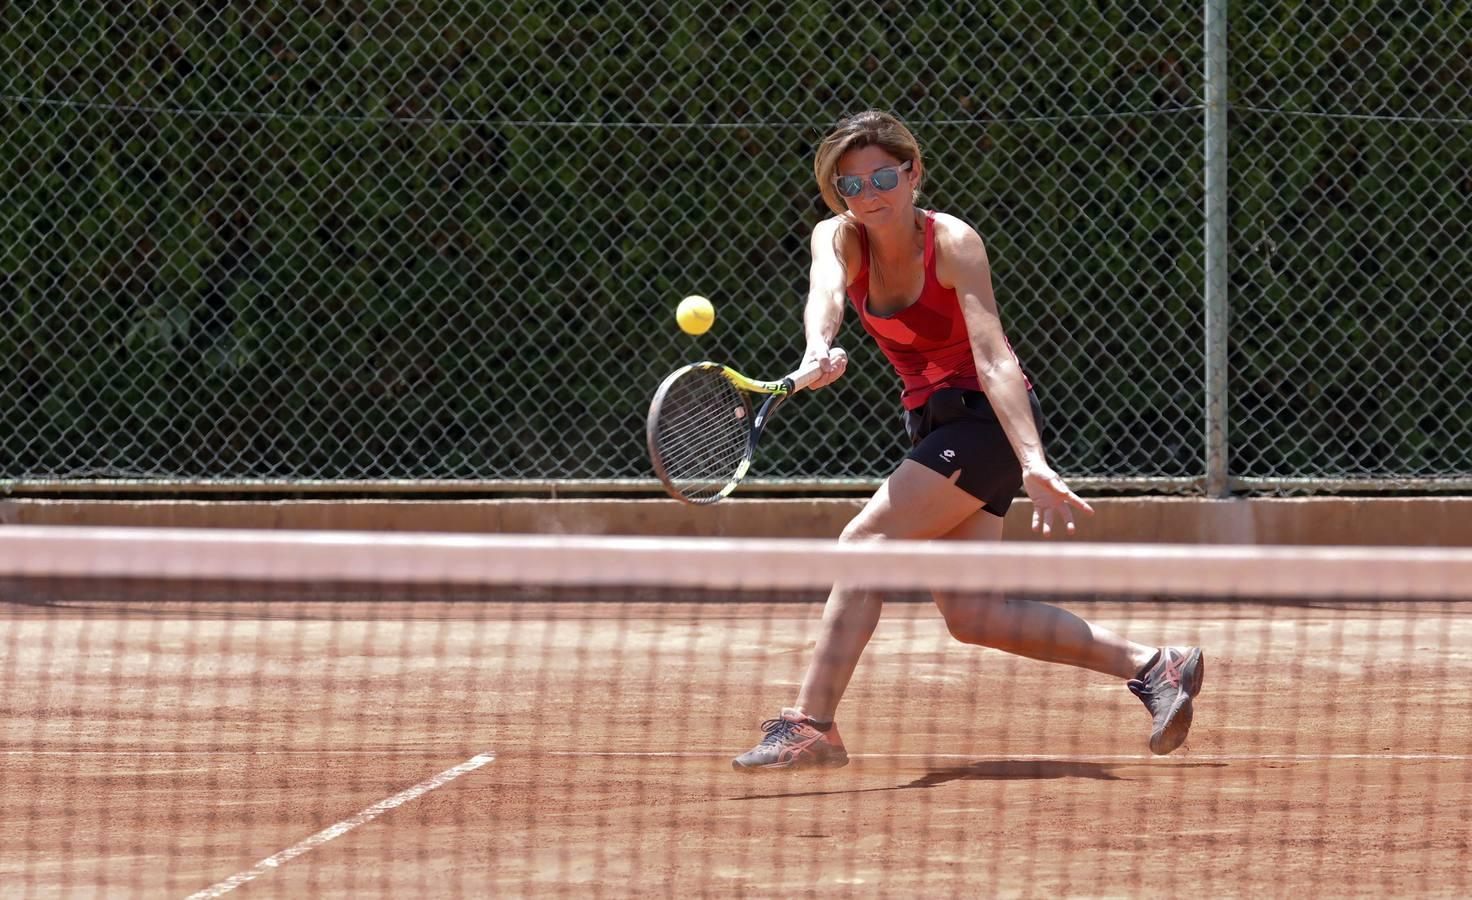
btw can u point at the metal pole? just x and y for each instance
(1217, 459)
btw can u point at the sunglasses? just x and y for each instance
(885, 179)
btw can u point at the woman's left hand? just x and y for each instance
(1051, 498)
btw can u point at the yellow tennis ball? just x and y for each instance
(695, 314)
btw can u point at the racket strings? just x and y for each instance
(702, 432)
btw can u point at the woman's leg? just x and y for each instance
(915, 503)
(1029, 628)
(1166, 679)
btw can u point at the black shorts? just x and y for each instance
(958, 429)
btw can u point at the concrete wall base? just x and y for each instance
(1390, 521)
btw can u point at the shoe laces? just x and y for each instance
(778, 730)
(1166, 676)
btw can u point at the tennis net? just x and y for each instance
(194, 713)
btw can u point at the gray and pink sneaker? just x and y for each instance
(1166, 685)
(794, 741)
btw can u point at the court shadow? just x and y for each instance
(1015, 769)
(995, 770)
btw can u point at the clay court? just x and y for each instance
(577, 748)
(350, 393)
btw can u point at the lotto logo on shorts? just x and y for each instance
(947, 455)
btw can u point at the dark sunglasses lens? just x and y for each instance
(850, 185)
(885, 179)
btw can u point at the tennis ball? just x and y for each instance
(695, 314)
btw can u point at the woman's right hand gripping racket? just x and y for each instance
(704, 425)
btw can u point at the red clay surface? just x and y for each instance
(160, 752)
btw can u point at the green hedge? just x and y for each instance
(348, 242)
(1352, 258)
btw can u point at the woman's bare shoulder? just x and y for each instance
(954, 231)
(959, 250)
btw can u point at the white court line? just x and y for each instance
(1183, 757)
(341, 828)
(682, 754)
(1060, 757)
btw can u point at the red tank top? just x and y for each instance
(927, 341)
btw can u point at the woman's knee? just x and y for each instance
(965, 632)
(968, 617)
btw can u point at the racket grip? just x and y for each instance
(811, 370)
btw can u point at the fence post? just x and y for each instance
(1216, 248)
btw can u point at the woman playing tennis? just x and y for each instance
(920, 283)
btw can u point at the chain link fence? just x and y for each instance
(370, 241)
(1351, 191)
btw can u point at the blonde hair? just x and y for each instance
(872, 127)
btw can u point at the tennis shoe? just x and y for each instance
(1166, 685)
(794, 741)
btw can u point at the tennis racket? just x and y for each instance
(704, 425)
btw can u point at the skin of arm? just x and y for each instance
(963, 265)
(827, 293)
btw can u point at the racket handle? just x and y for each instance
(811, 370)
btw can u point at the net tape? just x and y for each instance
(738, 563)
